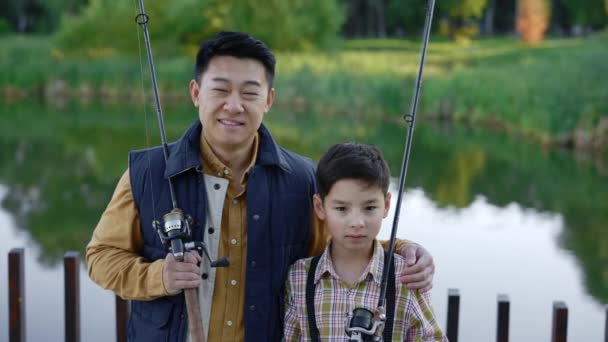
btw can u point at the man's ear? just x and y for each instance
(387, 204)
(194, 92)
(270, 99)
(318, 205)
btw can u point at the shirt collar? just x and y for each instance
(373, 269)
(185, 153)
(213, 165)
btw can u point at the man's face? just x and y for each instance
(232, 98)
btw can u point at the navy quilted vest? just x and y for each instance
(279, 207)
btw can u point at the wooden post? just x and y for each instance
(559, 331)
(71, 265)
(453, 311)
(606, 326)
(16, 295)
(502, 324)
(122, 316)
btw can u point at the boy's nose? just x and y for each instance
(356, 221)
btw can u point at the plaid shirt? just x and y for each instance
(335, 300)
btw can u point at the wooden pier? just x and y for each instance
(71, 261)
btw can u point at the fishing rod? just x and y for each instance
(365, 325)
(175, 227)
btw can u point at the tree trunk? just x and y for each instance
(488, 20)
(370, 18)
(381, 18)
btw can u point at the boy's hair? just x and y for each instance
(235, 44)
(352, 161)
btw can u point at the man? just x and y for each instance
(249, 199)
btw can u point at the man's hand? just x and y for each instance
(181, 275)
(420, 267)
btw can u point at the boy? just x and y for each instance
(352, 200)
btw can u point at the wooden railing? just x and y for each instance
(71, 262)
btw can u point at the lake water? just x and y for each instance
(499, 216)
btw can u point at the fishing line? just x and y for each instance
(145, 97)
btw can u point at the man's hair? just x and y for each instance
(235, 44)
(356, 161)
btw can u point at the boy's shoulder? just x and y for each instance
(400, 263)
(298, 273)
(301, 265)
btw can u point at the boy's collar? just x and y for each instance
(373, 269)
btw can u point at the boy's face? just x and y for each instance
(353, 212)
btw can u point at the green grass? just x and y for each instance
(544, 92)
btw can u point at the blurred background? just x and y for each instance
(508, 180)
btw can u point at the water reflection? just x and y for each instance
(44, 292)
(484, 250)
(528, 222)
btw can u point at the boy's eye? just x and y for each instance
(371, 207)
(220, 90)
(340, 208)
(250, 94)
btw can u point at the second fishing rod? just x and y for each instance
(363, 324)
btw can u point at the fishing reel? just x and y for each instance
(175, 229)
(365, 325)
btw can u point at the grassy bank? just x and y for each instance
(555, 94)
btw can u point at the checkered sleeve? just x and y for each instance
(291, 323)
(422, 325)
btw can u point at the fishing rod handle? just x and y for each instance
(195, 321)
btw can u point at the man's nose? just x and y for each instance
(233, 105)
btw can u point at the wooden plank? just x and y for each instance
(502, 324)
(71, 263)
(453, 313)
(559, 331)
(122, 317)
(16, 295)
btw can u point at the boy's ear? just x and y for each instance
(387, 204)
(318, 205)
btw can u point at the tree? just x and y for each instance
(364, 18)
(588, 13)
(406, 17)
(283, 25)
(37, 16)
(460, 17)
(533, 20)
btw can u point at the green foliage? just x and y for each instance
(406, 14)
(524, 89)
(591, 13)
(37, 16)
(459, 17)
(463, 9)
(25, 61)
(492, 81)
(4, 27)
(184, 23)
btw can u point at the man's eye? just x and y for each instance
(250, 94)
(220, 90)
(371, 208)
